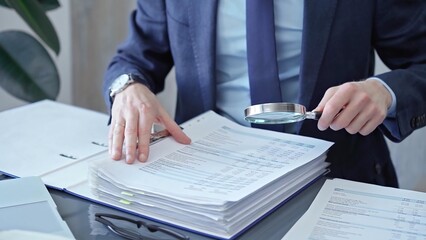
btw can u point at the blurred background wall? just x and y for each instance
(89, 32)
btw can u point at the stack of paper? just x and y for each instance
(225, 180)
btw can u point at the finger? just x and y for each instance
(369, 127)
(117, 139)
(173, 128)
(346, 116)
(323, 122)
(366, 122)
(327, 95)
(144, 133)
(335, 104)
(131, 136)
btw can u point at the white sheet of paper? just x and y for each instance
(43, 137)
(351, 210)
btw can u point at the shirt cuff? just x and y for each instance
(392, 108)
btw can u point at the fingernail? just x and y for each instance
(114, 154)
(128, 158)
(142, 157)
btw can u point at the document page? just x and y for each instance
(42, 137)
(225, 161)
(350, 210)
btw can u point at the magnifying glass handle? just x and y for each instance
(314, 115)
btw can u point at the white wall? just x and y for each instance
(60, 17)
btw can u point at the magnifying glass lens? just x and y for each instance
(275, 117)
(278, 113)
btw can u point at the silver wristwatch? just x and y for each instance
(120, 83)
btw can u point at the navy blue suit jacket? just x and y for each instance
(338, 42)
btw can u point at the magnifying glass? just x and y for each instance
(278, 113)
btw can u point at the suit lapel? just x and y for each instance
(318, 18)
(202, 23)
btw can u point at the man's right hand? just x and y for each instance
(134, 111)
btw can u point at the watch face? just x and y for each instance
(119, 82)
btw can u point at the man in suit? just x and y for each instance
(325, 60)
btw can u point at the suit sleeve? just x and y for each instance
(146, 51)
(400, 41)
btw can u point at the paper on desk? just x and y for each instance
(26, 205)
(358, 211)
(42, 137)
(224, 163)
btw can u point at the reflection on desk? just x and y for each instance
(79, 214)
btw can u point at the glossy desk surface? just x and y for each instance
(79, 214)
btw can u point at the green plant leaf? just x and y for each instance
(34, 15)
(47, 5)
(26, 69)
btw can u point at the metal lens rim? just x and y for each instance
(257, 113)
